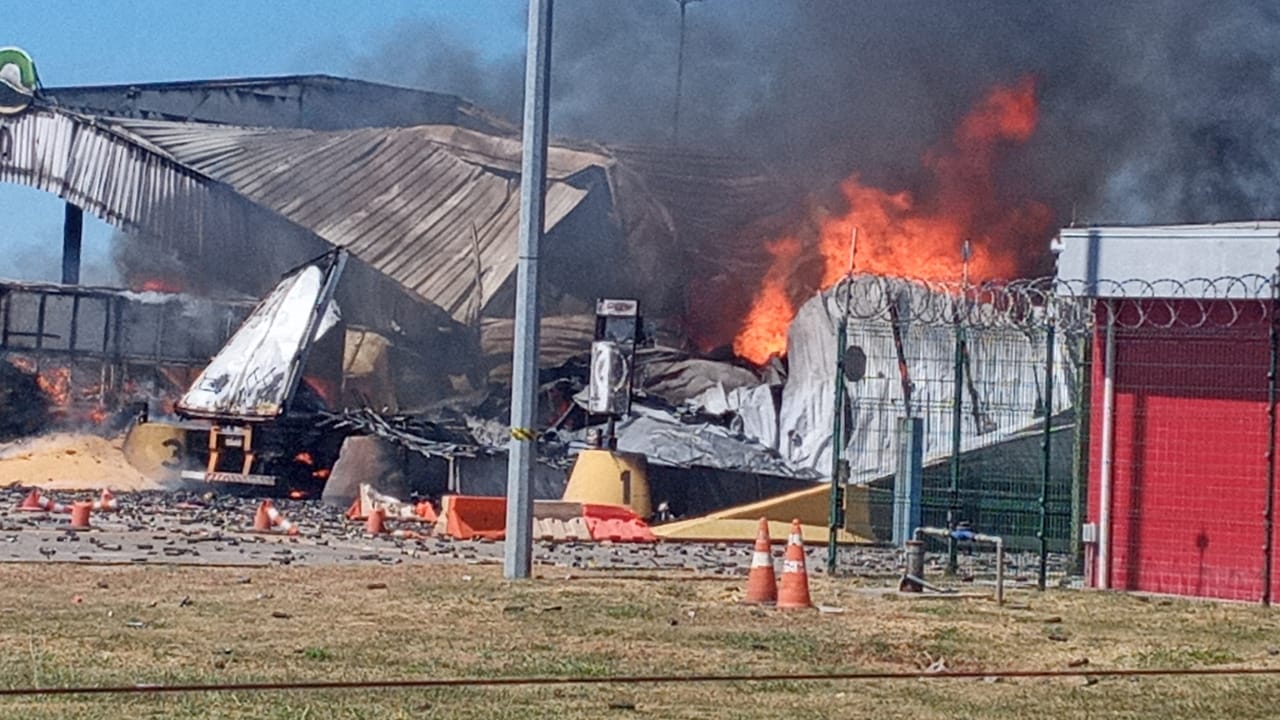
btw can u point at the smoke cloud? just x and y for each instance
(1164, 111)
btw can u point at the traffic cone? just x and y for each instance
(262, 518)
(356, 511)
(375, 524)
(425, 511)
(762, 586)
(37, 502)
(31, 503)
(106, 502)
(80, 515)
(278, 520)
(793, 591)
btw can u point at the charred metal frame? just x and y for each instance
(109, 351)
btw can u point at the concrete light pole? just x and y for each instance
(517, 561)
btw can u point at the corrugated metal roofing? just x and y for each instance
(435, 208)
(315, 102)
(91, 166)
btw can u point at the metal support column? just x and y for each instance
(72, 234)
(835, 514)
(908, 480)
(1045, 449)
(957, 418)
(1082, 350)
(1103, 556)
(1268, 513)
(517, 561)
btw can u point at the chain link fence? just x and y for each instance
(1043, 401)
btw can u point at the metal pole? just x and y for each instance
(1107, 450)
(837, 441)
(517, 561)
(72, 233)
(957, 416)
(1268, 514)
(675, 113)
(1082, 402)
(1046, 450)
(835, 515)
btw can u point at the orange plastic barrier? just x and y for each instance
(468, 517)
(471, 517)
(616, 523)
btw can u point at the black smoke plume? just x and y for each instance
(1162, 111)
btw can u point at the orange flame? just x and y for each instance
(905, 236)
(305, 458)
(164, 285)
(56, 384)
(764, 332)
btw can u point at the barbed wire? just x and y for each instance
(1072, 306)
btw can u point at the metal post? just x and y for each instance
(908, 478)
(1082, 402)
(675, 113)
(72, 234)
(1046, 452)
(957, 417)
(1268, 514)
(1103, 557)
(517, 562)
(837, 442)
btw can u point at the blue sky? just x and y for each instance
(128, 41)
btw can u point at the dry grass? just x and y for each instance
(64, 626)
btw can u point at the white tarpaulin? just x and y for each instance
(754, 407)
(664, 440)
(1002, 396)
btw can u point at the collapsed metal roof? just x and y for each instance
(433, 207)
(314, 102)
(436, 208)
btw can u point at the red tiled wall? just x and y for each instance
(1189, 478)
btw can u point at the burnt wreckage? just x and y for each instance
(222, 188)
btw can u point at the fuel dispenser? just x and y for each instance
(601, 473)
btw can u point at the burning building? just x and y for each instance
(227, 185)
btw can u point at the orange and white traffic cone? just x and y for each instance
(31, 503)
(261, 518)
(278, 520)
(762, 585)
(425, 512)
(793, 591)
(35, 501)
(106, 502)
(375, 525)
(356, 511)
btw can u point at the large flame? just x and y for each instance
(764, 330)
(901, 235)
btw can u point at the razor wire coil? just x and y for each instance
(1072, 306)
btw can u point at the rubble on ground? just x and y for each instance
(209, 529)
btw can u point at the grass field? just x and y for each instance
(66, 625)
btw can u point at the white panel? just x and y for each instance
(1100, 261)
